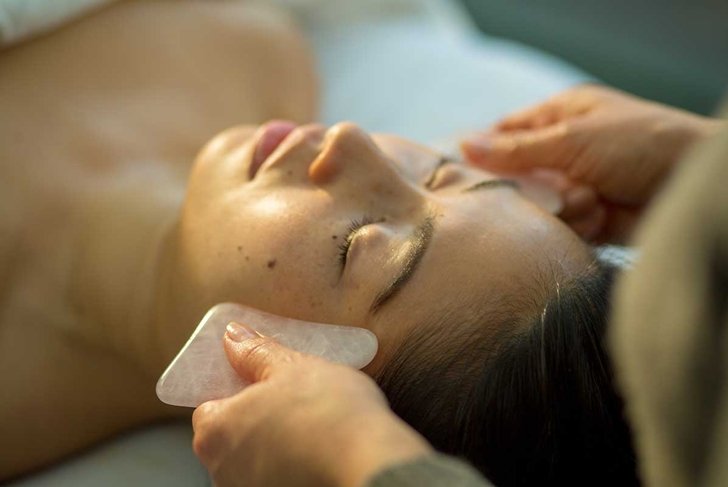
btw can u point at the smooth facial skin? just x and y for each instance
(275, 241)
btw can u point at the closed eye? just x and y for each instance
(485, 184)
(438, 165)
(350, 234)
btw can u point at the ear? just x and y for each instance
(201, 372)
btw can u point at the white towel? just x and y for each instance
(445, 14)
(23, 19)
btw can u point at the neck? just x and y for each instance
(116, 281)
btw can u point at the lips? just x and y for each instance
(273, 134)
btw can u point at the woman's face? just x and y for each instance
(338, 226)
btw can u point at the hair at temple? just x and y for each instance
(534, 406)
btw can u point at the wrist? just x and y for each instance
(712, 126)
(375, 444)
(676, 134)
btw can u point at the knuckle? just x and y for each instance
(201, 446)
(258, 348)
(211, 444)
(205, 444)
(569, 133)
(208, 422)
(566, 131)
(258, 352)
(510, 146)
(207, 409)
(204, 414)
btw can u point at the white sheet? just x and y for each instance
(429, 81)
(156, 456)
(412, 67)
(23, 19)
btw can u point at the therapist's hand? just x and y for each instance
(614, 151)
(303, 422)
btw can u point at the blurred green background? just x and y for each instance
(673, 51)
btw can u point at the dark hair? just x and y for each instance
(534, 405)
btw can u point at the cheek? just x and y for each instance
(224, 156)
(281, 254)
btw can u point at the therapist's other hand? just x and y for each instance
(614, 150)
(303, 421)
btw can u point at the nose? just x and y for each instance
(350, 156)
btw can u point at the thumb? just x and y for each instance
(520, 150)
(253, 356)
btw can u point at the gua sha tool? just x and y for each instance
(200, 372)
(533, 188)
(538, 191)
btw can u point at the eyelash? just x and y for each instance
(433, 175)
(494, 182)
(354, 225)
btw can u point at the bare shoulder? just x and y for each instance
(152, 79)
(257, 47)
(139, 84)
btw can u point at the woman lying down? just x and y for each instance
(489, 311)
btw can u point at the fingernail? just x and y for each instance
(238, 332)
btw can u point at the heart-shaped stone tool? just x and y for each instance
(200, 372)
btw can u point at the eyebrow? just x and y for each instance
(493, 183)
(485, 184)
(419, 240)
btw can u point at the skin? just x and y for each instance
(296, 212)
(105, 277)
(101, 121)
(227, 431)
(609, 153)
(296, 394)
(611, 134)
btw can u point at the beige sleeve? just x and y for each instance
(668, 336)
(431, 471)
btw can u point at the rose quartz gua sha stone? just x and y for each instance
(200, 372)
(531, 186)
